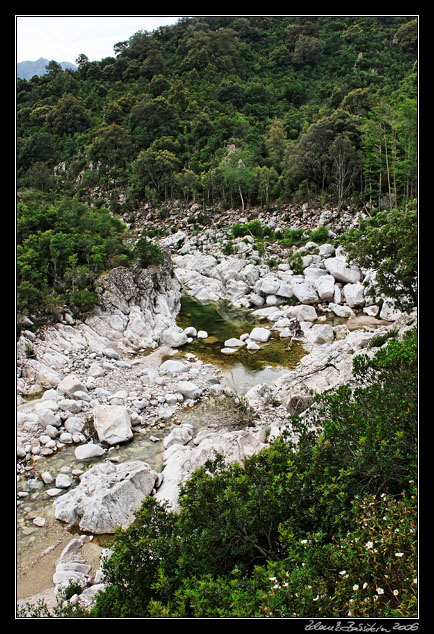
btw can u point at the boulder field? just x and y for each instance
(95, 383)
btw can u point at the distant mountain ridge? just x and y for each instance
(26, 70)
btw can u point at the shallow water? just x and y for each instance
(244, 368)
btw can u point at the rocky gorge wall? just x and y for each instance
(135, 306)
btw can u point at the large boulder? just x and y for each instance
(174, 367)
(71, 567)
(341, 271)
(269, 285)
(341, 311)
(181, 460)
(302, 312)
(260, 334)
(320, 334)
(112, 424)
(173, 337)
(353, 294)
(89, 450)
(285, 290)
(325, 287)
(306, 292)
(189, 390)
(107, 496)
(179, 435)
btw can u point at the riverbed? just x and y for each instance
(38, 547)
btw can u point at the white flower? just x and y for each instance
(303, 541)
(365, 585)
(395, 592)
(380, 590)
(399, 554)
(342, 572)
(273, 578)
(369, 544)
(355, 587)
(316, 598)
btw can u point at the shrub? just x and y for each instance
(320, 235)
(148, 252)
(296, 263)
(84, 300)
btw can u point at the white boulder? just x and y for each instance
(179, 435)
(341, 311)
(320, 334)
(302, 312)
(269, 285)
(89, 450)
(353, 294)
(112, 424)
(388, 311)
(305, 292)
(260, 334)
(71, 384)
(173, 337)
(181, 460)
(107, 496)
(174, 366)
(341, 271)
(189, 390)
(325, 287)
(235, 343)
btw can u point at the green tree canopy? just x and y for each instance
(69, 116)
(388, 243)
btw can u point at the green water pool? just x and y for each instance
(223, 321)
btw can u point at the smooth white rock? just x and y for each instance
(260, 334)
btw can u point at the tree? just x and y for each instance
(307, 51)
(148, 252)
(120, 47)
(69, 116)
(82, 62)
(389, 142)
(53, 67)
(276, 142)
(151, 118)
(153, 168)
(346, 166)
(238, 175)
(311, 159)
(267, 178)
(112, 146)
(388, 243)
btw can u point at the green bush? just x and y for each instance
(148, 252)
(296, 263)
(84, 300)
(320, 235)
(62, 247)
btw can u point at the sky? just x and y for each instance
(64, 37)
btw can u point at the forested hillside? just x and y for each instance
(229, 111)
(259, 126)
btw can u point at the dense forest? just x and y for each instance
(228, 111)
